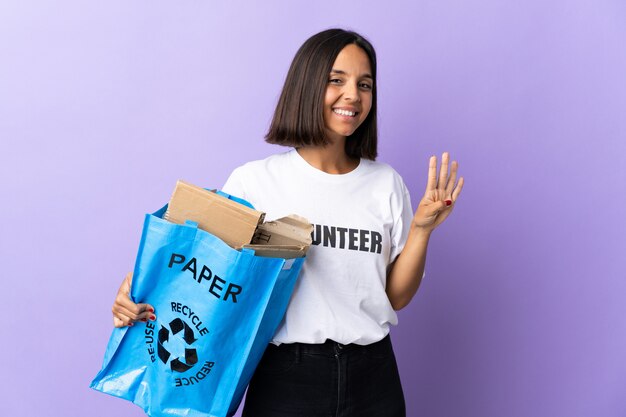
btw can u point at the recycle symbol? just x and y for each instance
(191, 356)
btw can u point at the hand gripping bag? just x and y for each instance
(217, 309)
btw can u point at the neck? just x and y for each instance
(331, 159)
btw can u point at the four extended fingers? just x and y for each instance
(446, 183)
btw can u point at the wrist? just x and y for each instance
(420, 231)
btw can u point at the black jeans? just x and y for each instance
(329, 379)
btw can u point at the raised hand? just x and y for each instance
(440, 196)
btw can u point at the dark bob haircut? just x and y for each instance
(299, 117)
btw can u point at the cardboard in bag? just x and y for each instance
(232, 222)
(238, 225)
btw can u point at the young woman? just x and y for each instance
(332, 355)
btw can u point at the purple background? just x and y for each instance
(103, 105)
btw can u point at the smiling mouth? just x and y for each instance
(345, 112)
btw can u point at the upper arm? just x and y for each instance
(403, 212)
(234, 185)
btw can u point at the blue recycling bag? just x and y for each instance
(217, 309)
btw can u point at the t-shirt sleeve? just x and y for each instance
(234, 185)
(402, 224)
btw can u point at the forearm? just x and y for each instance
(406, 273)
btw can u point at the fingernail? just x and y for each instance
(448, 202)
(130, 324)
(152, 318)
(151, 310)
(144, 319)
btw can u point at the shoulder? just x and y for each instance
(255, 175)
(255, 180)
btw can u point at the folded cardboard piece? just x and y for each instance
(287, 237)
(237, 225)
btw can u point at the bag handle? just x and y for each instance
(191, 223)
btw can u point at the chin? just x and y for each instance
(344, 132)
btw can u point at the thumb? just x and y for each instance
(127, 283)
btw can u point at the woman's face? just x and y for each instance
(348, 97)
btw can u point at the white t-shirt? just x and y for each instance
(361, 221)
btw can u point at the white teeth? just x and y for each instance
(344, 112)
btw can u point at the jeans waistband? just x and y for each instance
(330, 347)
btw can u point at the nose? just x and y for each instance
(351, 92)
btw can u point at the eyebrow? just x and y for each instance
(336, 71)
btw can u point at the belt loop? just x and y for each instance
(297, 353)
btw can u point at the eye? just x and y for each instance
(365, 86)
(334, 81)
